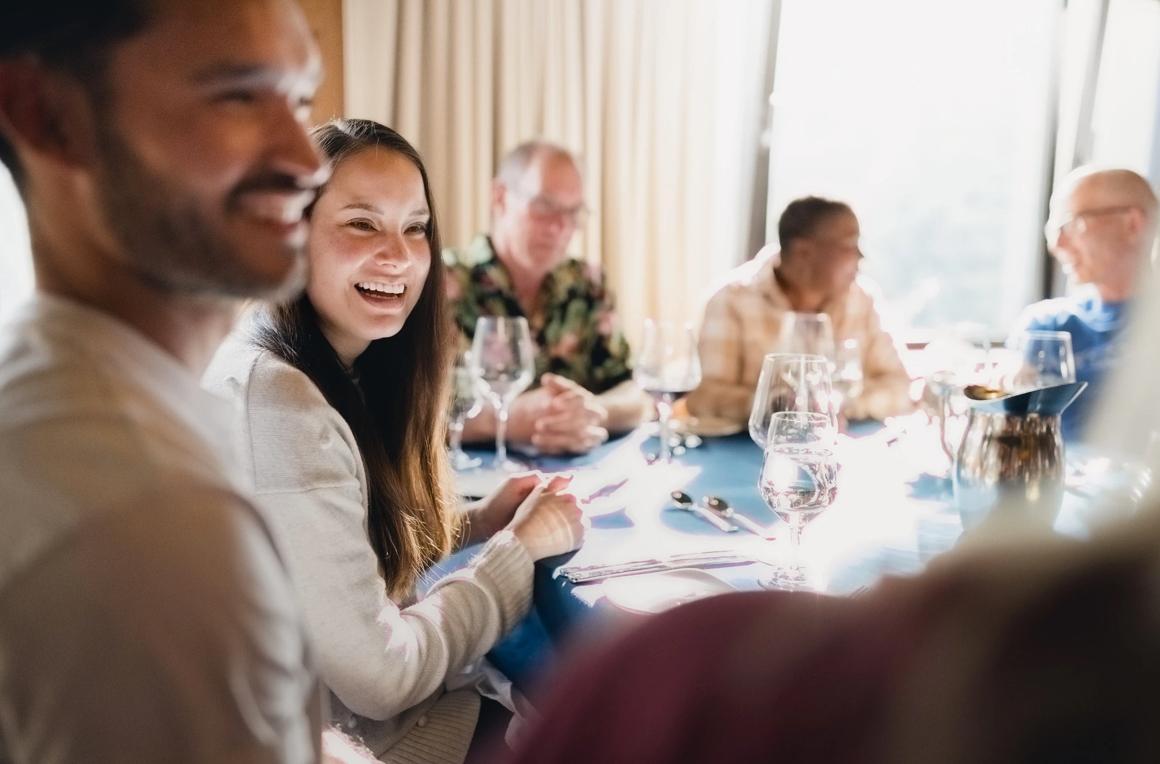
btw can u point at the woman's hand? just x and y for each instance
(492, 513)
(549, 522)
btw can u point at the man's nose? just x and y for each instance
(294, 153)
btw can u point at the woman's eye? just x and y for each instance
(417, 229)
(361, 225)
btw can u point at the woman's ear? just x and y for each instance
(45, 114)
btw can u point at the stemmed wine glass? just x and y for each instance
(807, 334)
(503, 361)
(1042, 359)
(848, 376)
(799, 481)
(668, 368)
(789, 382)
(465, 403)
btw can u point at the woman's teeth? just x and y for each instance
(377, 287)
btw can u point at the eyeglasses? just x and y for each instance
(544, 209)
(1077, 224)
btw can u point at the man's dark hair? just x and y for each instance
(73, 36)
(802, 216)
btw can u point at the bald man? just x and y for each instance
(1101, 228)
(522, 269)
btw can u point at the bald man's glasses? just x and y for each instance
(1077, 224)
(544, 209)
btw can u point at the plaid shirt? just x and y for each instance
(742, 324)
(575, 327)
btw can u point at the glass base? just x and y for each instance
(788, 578)
(461, 461)
(509, 465)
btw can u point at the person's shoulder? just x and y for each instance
(478, 252)
(258, 378)
(1048, 315)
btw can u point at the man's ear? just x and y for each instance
(45, 114)
(498, 196)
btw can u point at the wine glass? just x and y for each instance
(789, 382)
(799, 481)
(958, 356)
(668, 368)
(847, 378)
(1041, 359)
(465, 403)
(503, 362)
(807, 334)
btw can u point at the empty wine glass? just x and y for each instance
(466, 402)
(789, 382)
(1041, 359)
(667, 368)
(799, 481)
(807, 334)
(848, 377)
(503, 362)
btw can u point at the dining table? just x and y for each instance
(894, 512)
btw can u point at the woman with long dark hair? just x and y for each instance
(344, 391)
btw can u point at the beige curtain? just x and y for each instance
(662, 100)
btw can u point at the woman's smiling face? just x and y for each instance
(369, 249)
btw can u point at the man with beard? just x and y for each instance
(160, 150)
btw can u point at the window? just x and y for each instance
(932, 119)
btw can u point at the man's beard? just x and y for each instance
(171, 242)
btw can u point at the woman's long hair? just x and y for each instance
(395, 397)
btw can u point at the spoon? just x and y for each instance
(684, 501)
(721, 508)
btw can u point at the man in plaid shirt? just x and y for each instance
(815, 271)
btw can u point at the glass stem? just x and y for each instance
(795, 545)
(455, 435)
(501, 420)
(664, 414)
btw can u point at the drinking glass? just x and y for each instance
(848, 376)
(958, 356)
(503, 362)
(806, 334)
(1042, 359)
(789, 382)
(466, 402)
(799, 481)
(668, 368)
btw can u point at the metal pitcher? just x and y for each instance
(1009, 466)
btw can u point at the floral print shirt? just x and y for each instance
(575, 329)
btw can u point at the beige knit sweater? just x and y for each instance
(385, 666)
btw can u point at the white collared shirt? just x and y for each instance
(144, 613)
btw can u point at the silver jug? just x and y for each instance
(1009, 467)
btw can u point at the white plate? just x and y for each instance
(657, 592)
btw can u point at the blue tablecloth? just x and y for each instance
(879, 531)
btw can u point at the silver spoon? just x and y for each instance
(684, 501)
(722, 509)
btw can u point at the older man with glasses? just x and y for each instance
(1101, 228)
(522, 268)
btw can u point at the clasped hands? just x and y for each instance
(560, 417)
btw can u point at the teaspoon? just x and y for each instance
(721, 507)
(684, 501)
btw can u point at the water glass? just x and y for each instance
(1042, 359)
(799, 481)
(667, 368)
(503, 361)
(466, 402)
(806, 334)
(789, 382)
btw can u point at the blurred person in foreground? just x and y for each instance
(1101, 228)
(522, 268)
(816, 271)
(1009, 650)
(160, 151)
